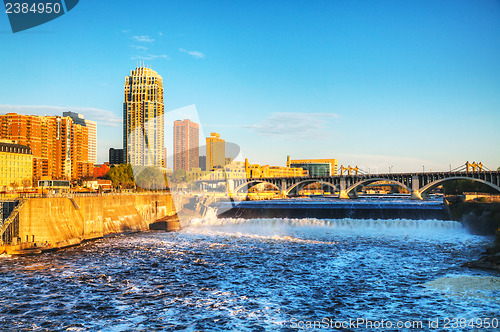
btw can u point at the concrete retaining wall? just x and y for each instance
(60, 222)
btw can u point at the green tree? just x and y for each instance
(179, 176)
(498, 169)
(151, 178)
(458, 187)
(121, 175)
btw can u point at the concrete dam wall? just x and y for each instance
(61, 221)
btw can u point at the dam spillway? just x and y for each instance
(325, 208)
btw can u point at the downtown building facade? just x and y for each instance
(16, 165)
(216, 152)
(60, 148)
(143, 116)
(245, 170)
(79, 119)
(315, 167)
(116, 156)
(186, 145)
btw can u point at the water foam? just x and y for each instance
(464, 286)
(440, 230)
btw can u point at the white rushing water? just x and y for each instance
(424, 229)
(255, 275)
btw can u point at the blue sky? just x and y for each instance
(372, 83)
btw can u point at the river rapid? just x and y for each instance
(257, 275)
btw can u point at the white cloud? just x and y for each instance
(102, 117)
(139, 47)
(194, 54)
(143, 39)
(298, 125)
(150, 57)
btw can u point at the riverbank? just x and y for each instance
(51, 223)
(482, 219)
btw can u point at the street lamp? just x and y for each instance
(450, 168)
(423, 169)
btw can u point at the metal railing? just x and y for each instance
(11, 218)
(17, 196)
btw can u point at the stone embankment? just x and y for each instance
(52, 223)
(490, 259)
(481, 218)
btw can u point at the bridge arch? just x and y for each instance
(427, 188)
(253, 183)
(372, 180)
(308, 182)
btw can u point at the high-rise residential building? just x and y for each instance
(59, 146)
(92, 132)
(143, 116)
(216, 152)
(186, 144)
(116, 156)
(16, 165)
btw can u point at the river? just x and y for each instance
(257, 275)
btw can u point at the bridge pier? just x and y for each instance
(415, 189)
(343, 195)
(343, 190)
(416, 195)
(283, 192)
(230, 186)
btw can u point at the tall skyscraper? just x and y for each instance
(216, 152)
(92, 132)
(143, 116)
(186, 144)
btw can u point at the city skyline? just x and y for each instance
(377, 85)
(59, 145)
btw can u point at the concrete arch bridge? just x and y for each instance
(418, 184)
